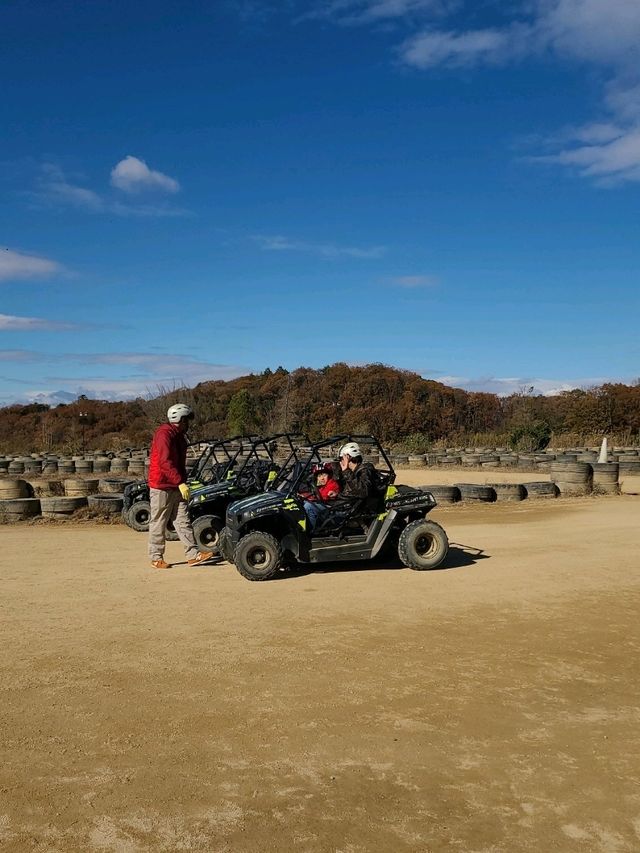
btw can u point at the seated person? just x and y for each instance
(327, 488)
(359, 477)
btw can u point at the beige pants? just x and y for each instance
(165, 507)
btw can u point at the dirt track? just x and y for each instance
(491, 706)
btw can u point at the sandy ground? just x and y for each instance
(489, 706)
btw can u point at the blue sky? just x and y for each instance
(200, 190)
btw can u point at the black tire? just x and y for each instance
(111, 504)
(509, 491)
(206, 530)
(475, 492)
(138, 515)
(258, 556)
(423, 545)
(224, 546)
(443, 494)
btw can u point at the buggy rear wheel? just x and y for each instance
(423, 545)
(138, 515)
(206, 530)
(258, 556)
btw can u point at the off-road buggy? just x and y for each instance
(258, 466)
(213, 465)
(271, 530)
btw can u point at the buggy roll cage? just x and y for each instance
(297, 468)
(262, 452)
(225, 452)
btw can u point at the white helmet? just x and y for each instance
(177, 412)
(351, 449)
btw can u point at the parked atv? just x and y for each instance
(214, 465)
(252, 473)
(270, 530)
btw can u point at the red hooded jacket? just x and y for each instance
(168, 458)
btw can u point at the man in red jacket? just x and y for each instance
(169, 491)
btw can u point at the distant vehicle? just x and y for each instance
(250, 475)
(265, 532)
(214, 464)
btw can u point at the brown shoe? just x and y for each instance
(160, 564)
(204, 557)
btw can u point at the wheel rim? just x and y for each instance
(426, 545)
(209, 536)
(142, 516)
(259, 559)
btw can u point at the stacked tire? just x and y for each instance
(572, 478)
(605, 478)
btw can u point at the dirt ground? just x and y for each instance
(492, 705)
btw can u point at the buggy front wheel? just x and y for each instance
(258, 556)
(423, 545)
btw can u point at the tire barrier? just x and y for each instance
(111, 485)
(119, 465)
(11, 489)
(450, 460)
(101, 465)
(443, 494)
(572, 478)
(61, 507)
(77, 488)
(475, 492)
(541, 489)
(416, 461)
(110, 504)
(16, 509)
(630, 484)
(605, 478)
(508, 491)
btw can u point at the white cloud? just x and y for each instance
(19, 355)
(15, 265)
(9, 323)
(55, 186)
(278, 243)
(356, 12)
(429, 49)
(133, 176)
(503, 387)
(137, 374)
(415, 281)
(616, 160)
(606, 31)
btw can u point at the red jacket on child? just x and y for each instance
(330, 490)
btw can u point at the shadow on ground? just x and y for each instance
(459, 557)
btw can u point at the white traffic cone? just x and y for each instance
(604, 453)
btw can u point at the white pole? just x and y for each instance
(604, 455)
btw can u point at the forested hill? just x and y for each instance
(396, 405)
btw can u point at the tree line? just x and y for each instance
(398, 406)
